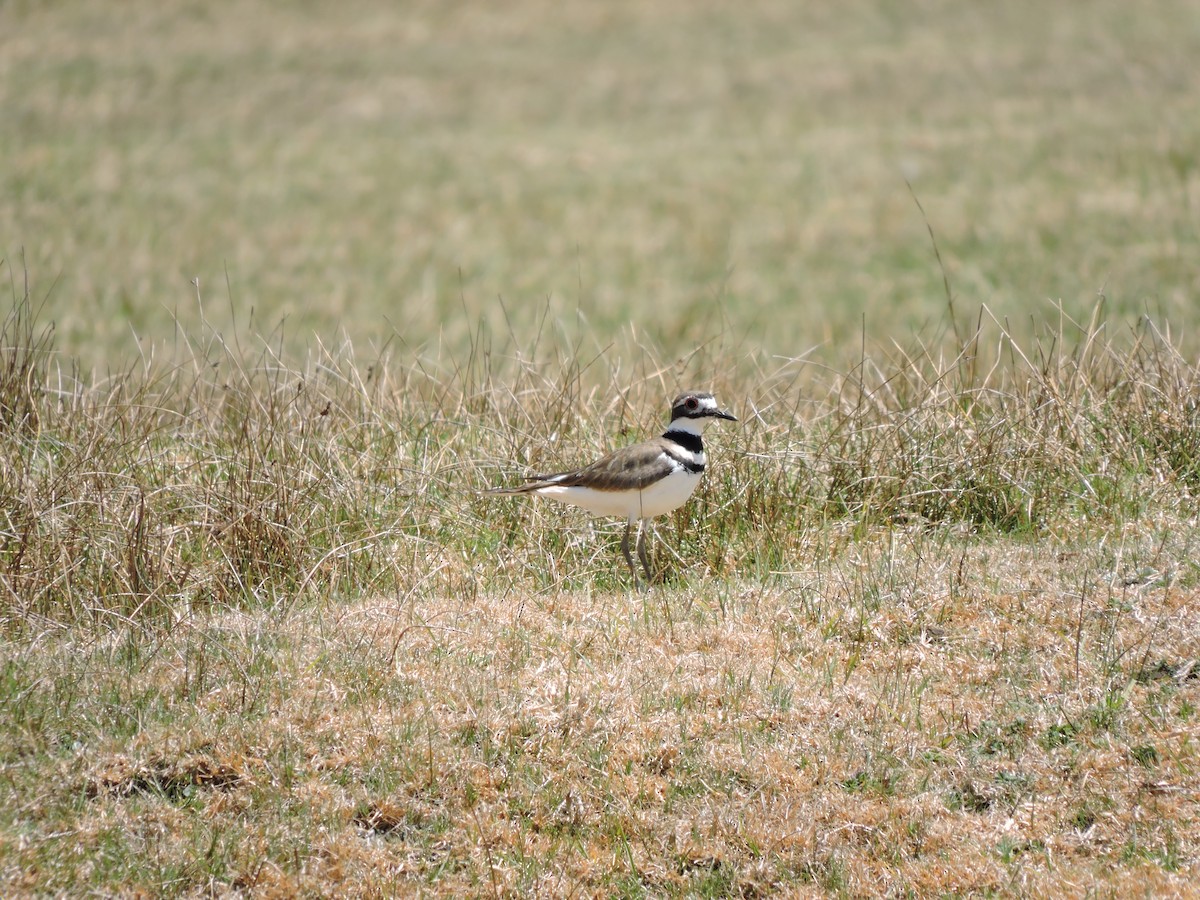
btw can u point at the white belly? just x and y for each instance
(656, 500)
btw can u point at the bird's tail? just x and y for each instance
(533, 484)
(528, 488)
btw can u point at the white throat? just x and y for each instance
(690, 426)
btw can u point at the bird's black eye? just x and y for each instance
(691, 404)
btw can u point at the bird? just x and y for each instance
(640, 481)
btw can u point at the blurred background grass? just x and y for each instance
(675, 170)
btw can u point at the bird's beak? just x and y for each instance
(722, 414)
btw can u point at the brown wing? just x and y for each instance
(629, 468)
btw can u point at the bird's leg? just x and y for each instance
(625, 550)
(643, 526)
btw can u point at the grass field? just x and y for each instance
(290, 283)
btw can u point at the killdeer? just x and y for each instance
(641, 481)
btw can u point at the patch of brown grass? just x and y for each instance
(984, 728)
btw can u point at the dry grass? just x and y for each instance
(929, 626)
(932, 632)
(944, 736)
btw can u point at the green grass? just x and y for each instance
(929, 625)
(380, 172)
